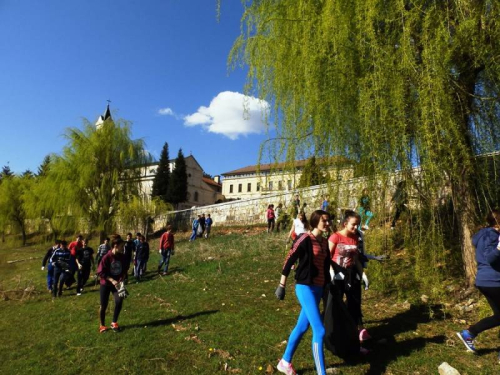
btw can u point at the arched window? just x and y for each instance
(196, 196)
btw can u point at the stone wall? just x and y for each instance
(344, 195)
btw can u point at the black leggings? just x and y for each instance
(83, 277)
(351, 288)
(270, 225)
(492, 295)
(105, 291)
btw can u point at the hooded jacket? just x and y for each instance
(487, 257)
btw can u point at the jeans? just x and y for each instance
(50, 276)
(140, 268)
(165, 260)
(60, 278)
(366, 216)
(193, 235)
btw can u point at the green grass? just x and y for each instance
(214, 313)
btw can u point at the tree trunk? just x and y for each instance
(464, 211)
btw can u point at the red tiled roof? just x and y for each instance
(210, 182)
(279, 166)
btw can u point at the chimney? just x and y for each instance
(217, 179)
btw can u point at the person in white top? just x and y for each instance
(299, 226)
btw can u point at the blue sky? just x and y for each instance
(163, 65)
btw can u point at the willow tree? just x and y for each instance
(389, 84)
(98, 169)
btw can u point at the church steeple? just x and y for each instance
(104, 117)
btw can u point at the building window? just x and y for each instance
(270, 185)
(258, 186)
(280, 185)
(196, 196)
(230, 189)
(240, 188)
(249, 187)
(289, 182)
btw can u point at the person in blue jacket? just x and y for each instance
(50, 269)
(194, 227)
(61, 261)
(487, 246)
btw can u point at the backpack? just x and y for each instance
(341, 332)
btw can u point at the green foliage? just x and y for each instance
(137, 213)
(12, 208)
(162, 177)
(98, 169)
(177, 191)
(311, 174)
(388, 85)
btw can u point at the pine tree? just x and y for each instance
(162, 178)
(177, 191)
(43, 169)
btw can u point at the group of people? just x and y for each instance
(201, 227)
(113, 259)
(329, 261)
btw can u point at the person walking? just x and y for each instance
(270, 215)
(84, 262)
(61, 262)
(194, 227)
(487, 246)
(141, 258)
(312, 274)
(166, 249)
(102, 250)
(111, 271)
(364, 210)
(348, 268)
(400, 200)
(128, 252)
(208, 226)
(299, 226)
(202, 225)
(47, 262)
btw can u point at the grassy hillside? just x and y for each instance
(216, 313)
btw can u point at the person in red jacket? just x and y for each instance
(166, 249)
(76, 245)
(112, 271)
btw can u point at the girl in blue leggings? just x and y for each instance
(312, 274)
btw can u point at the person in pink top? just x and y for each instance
(270, 218)
(348, 269)
(112, 271)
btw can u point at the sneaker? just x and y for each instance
(364, 335)
(286, 368)
(115, 327)
(102, 329)
(78, 294)
(468, 340)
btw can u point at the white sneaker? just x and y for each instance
(78, 294)
(286, 368)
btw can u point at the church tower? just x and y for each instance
(104, 117)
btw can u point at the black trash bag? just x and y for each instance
(341, 332)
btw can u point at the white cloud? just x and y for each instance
(231, 114)
(166, 112)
